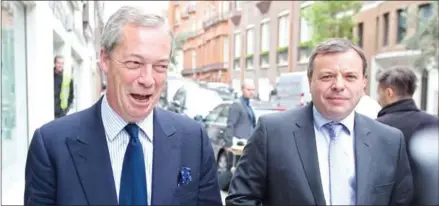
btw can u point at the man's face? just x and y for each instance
(337, 84)
(136, 71)
(59, 64)
(248, 90)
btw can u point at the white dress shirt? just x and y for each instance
(346, 136)
(368, 107)
(118, 139)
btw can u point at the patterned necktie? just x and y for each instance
(133, 180)
(339, 185)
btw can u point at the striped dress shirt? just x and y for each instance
(117, 141)
(347, 137)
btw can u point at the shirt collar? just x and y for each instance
(320, 120)
(245, 100)
(114, 124)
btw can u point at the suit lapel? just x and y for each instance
(363, 160)
(90, 155)
(166, 159)
(306, 146)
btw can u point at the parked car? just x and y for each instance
(292, 90)
(224, 90)
(216, 124)
(194, 101)
(173, 83)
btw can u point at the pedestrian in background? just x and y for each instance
(63, 88)
(123, 150)
(396, 87)
(241, 119)
(324, 153)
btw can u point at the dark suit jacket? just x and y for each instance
(69, 164)
(280, 163)
(407, 117)
(239, 123)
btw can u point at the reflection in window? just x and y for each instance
(213, 115)
(424, 13)
(402, 24)
(222, 117)
(8, 75)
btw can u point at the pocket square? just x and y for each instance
(184, 176)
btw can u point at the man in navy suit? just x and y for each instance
(123, 150)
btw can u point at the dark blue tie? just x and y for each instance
(133, 181)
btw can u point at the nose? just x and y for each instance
(146, 77)
(338, 84)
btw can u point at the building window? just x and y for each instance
(13, 90)
(386, 29)
(424, 13)
(283, 40)
(238, 5)
(194, 59)
(305, 36)
(284, 31)
(226, 51)
(225, 5)
(402, 25)
(265, 44)
(237, 52)
(249, 49)
(360, 34)
(305, 30)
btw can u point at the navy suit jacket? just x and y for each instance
(68, 162)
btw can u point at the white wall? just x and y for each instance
(37, 78)
(40, 65)
(433, 91)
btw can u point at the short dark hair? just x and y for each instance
(335, 45)
(401, 79)
(56, 58)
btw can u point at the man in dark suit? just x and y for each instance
(396, 87)
(122, 150)
(325, 153)
(241, 120)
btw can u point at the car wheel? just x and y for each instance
(224, 173)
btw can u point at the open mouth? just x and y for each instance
(140, 97)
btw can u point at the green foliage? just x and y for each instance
(425, 39)
(325, 22)
(263, 53)
(282, 49)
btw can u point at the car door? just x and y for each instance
(212, 131)
(219, 126)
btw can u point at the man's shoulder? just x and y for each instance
(179, 121)
(289, 115)
(387, 133)
(64, 124)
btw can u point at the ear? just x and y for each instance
(389, 92)
(365, 81)
(104, 61)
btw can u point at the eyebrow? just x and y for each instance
(163, 60)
